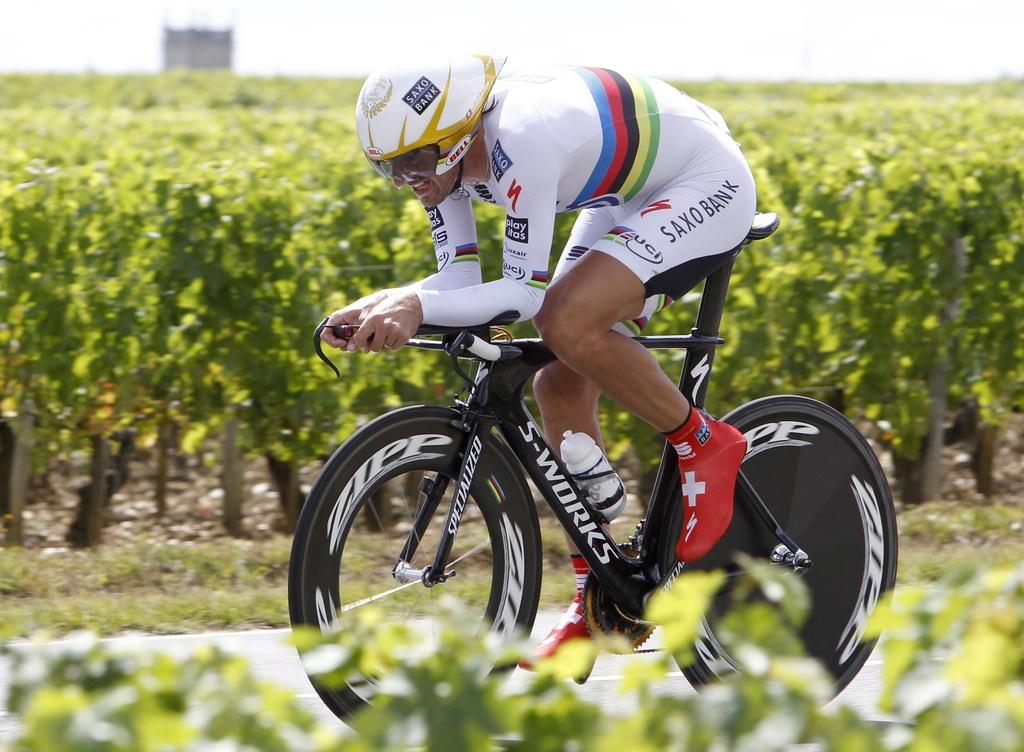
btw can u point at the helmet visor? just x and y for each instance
(411, 166)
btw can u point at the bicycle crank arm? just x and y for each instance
(789, 553)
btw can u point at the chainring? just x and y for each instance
(603, 615)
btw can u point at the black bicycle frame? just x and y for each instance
(497, 402)
(693, 383)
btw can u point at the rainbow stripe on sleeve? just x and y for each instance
(467, 252)
(631, 130)
(539, 279)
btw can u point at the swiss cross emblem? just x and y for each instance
(692, 488)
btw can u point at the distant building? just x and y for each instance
(198, 48)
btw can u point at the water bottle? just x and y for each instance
(596, 478)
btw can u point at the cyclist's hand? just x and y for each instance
(353, 314)
(388, 324)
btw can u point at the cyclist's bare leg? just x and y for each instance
(567, 402)
(578, 312)
(575, 321)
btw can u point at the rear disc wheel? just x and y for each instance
(823, 483)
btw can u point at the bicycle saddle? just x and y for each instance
(764, 224)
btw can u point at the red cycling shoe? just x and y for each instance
(572, 626)
(710, 453)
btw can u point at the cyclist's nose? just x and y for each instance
(401, 181)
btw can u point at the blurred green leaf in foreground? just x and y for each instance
(953, 674)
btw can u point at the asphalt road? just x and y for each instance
(275, 661)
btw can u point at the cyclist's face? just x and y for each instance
(418, 169)
(430, 189)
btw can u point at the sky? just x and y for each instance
(813, 40)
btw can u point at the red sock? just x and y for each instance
(692, 434)
(582, 569)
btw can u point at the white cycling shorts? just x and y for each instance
(674, 236)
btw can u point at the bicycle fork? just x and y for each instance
(434, 490)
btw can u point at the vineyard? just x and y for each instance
(168, 243)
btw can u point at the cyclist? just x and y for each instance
(663, 193)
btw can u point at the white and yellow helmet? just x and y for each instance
(419, 108)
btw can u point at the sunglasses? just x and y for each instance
(414, 165)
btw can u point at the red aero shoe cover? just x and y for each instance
(572, 626)
(708, 478)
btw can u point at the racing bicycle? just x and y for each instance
(426, 500)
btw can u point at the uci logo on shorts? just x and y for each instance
(635, 244)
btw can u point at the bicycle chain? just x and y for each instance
(603, 616)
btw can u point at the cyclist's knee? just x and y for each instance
(550, 317)
(564, 318)
(563, 337)
(553, 322)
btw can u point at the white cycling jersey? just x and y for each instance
(636, 155)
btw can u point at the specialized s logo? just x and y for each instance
(635, 244)
(513, 193)
(436, 220)
(376, 97)
(499, 161)
(515, 574)
(662, 205)
(517, 229)
(326, 613)
(699, 372)
(421, 95)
